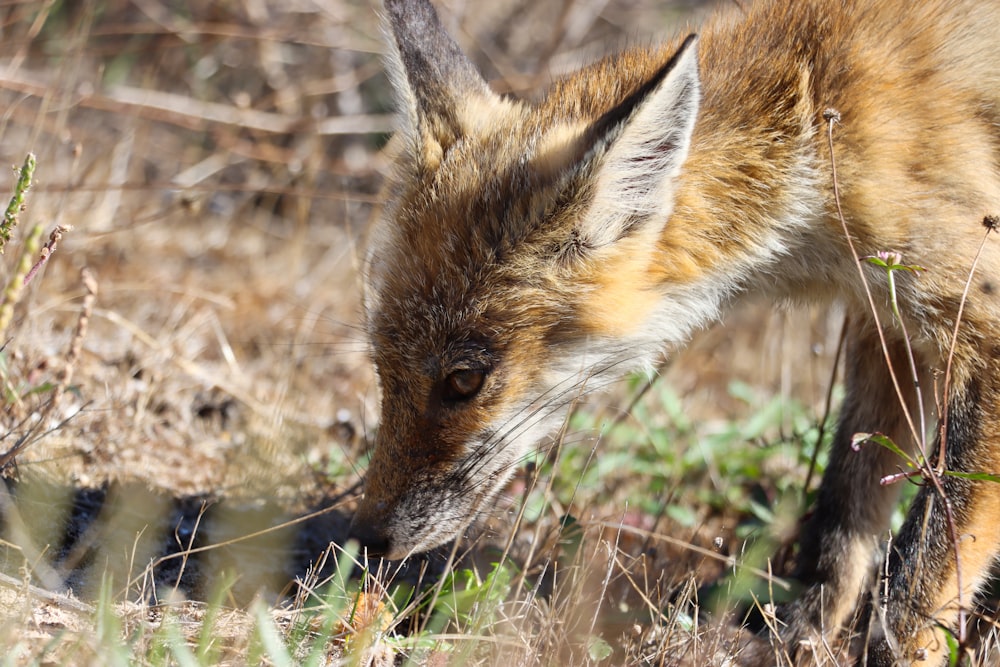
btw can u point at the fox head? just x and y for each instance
(512, 269)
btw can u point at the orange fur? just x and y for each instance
(536, 248)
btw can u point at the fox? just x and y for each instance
(531, 249)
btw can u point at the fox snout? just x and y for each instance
(369, 529)
(414, 523)
(377, 525)
(409, 508)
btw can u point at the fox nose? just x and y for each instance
(371, 535)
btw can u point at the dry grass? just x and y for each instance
(219, 165)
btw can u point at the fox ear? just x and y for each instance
(436, 85)
(645, 140)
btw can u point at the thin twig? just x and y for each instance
(991, 223)
(832, 116)
(59, 599)
(65, 375)
(76, 344)
(50, 247)
(911, 358)
(827, 409)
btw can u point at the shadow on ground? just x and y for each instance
(147, 544)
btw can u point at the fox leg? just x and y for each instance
(920, 601)
(853, 509)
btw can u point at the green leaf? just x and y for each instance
(683, 515)
(40, 389)
(881, 440)
(598, 649)
(974, 476)
(954, 649)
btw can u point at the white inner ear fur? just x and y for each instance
(636, 182)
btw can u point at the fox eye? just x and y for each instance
(463, 384)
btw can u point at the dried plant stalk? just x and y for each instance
(50, 247)
(12, 292)
(82, 323)
(65, 375)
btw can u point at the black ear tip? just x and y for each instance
(435, 66)
(690, 43)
